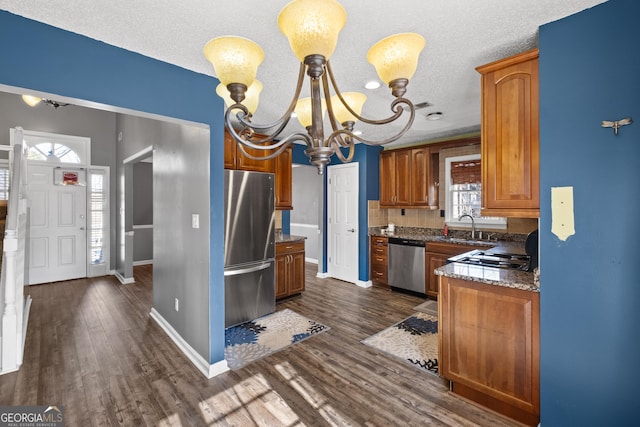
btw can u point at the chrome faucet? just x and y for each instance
(473, 225)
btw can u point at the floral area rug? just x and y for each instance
(266, 335)
(414, 340)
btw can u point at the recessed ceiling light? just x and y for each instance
(373, 84)
(437, 115)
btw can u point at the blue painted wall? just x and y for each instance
(368, 169)
(590, 286)
(44, 58)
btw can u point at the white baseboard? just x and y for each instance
(311, 260)
(364, 284)
(143, 262)
(203, 366)
(124, 280)
(322, 275)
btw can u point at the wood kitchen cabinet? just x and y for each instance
(290, 268)
(489, 348)
(510, 137)
(408, 178)
(280, 166)
(423, 178)
(378, 259)
(436, 255)
(395, 178)
(283, 171)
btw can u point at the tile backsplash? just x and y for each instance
(427, 218)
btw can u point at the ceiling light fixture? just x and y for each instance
(32, 101)
(437, 115)
(312, 27)
(372, 85)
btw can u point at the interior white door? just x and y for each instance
(342, 210)
(57, 240)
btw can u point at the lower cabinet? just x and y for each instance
(378, 259)
(490, 346)
(436, 255)
(289, 268)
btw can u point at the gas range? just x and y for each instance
(487, 258)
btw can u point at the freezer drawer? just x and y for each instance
(249, 292)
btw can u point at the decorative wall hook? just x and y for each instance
(616, 124)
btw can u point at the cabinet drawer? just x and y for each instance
(289, 247)
(379, 250)
(379, 259)
(379, 273)
(379, 241)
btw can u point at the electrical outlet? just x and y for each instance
(177, 304)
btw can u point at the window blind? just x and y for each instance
(465, 172)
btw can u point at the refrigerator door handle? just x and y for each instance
(234, 272)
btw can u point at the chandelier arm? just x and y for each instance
(394, 105)
(279, 148)
(244, 136)
(350, 136)
(336, 148)
(280, 124)
(276, 153)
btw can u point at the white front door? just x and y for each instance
(342, 211)
(57, 240)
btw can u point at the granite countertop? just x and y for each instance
(501, 243)
(490, 275)
(289, 238)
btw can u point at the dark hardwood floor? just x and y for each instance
(92, 348)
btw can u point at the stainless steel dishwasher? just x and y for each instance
(406, 264)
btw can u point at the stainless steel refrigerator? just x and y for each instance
(249, 246)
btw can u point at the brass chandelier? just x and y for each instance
(312, 27)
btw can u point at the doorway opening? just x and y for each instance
(138, 212)
(69, 208)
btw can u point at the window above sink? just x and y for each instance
(463, 194)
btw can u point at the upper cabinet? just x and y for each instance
(283, 164)
(510, 137)
(235, 159)
(395, 172)
(407, 178)
(280, 166)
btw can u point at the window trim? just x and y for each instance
(485, 223)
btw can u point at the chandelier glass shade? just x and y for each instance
(312, 28)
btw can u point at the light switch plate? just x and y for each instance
(195, 221)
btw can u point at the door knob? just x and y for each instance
(353, 230)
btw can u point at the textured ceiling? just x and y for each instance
(460, 34)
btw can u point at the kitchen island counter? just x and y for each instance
(516, 279)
